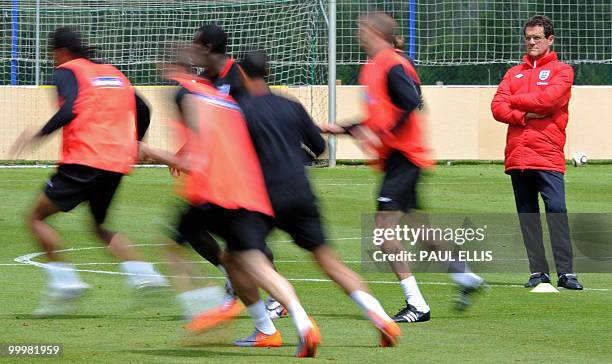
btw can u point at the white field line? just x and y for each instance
(27, 260)
(206, 262)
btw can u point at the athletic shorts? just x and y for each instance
(296, 212)
(74, 183)
(241, 229)
(398, 189)
(189, 227)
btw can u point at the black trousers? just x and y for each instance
(550, 185)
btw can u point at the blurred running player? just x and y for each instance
(194, 294)
(460, 271)
(394, 133)
(209, 48)
(227, 196)
(280, 128)
(102, 120)
(224, 73)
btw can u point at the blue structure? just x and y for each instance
(412, 29)
(14, 28)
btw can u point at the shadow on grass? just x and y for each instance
(151, 317)
(59, 317)
(127, 317)
(192, 352)
(506, 283)
(346, 316)
(197, 353)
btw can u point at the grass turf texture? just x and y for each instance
(507, 325)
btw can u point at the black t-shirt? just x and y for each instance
(229, 81)
(416, 84)
(279, 129)
(404, 93)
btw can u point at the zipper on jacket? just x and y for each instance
(522, 142)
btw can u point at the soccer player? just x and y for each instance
(227, 194)
(394, 133)
(102, 120)
(279, 127)
(209, 48)
(193, 298)
(533, 100)
(225, 74)
(460, 271)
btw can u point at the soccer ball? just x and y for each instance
(579, 159)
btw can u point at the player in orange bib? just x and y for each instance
(102, 120)
(219, 70)
(225, 189)
(280, 128)
(394, 132)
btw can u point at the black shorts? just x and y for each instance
(241, 229)
(74, 183)
(296, 212)
(398, 190)
(189, 228)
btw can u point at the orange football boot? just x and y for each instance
(214, 317)
(307, 347)
(389, 330)
(260, 340)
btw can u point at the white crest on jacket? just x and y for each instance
(544, 74)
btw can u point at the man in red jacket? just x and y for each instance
(533, 100)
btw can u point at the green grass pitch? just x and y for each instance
(507, 325)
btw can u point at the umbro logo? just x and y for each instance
(519, 75)
(384, 199)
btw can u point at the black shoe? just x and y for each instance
(569, 281)
(411, 314)
(465, 292)
(537, 278)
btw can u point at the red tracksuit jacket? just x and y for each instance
(541, 87)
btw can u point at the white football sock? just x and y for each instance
(200, 300)
(413, 294)
(299, 317)
(467, 279)
(137, 267)
(140, 271)
(62, 274)
(260, 317)
(367, 302)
